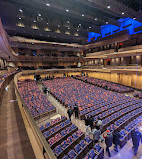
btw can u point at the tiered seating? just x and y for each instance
(110, 107)
(127, 127)
(67, 141)
(58, 128)
(51, 124)
(102, 83)
(59, 137)
(122, 115)
(36, 102)
(88, 97)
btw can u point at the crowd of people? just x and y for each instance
(111, 138)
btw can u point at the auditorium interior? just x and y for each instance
(55, 54)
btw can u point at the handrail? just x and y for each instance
(45, 146)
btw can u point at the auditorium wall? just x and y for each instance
(132, 80)
(56, 73)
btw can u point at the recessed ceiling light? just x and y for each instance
(39, 15)
(58, 25)
(20, 10)
(122, 13)
(89, 27)
(47, 23)
(108, 7)
(68, 22)
(20, 18)
(34, 21)
(68, 28)
(106, 22)
(67, 10)
(96, 19)
(134, 18)
(82, 15)
(47, 4)
(79, 24)
(77, 30)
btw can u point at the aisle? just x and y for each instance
(14, 141)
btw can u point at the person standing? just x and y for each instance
(100, 124)
(116, 137)
(108, 141)
(76, 110)
(70, 112)
(136, 137)
(87, 121)
(96, 134)
(90, 122)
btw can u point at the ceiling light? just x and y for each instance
(20, 10)
(134, 18)
(108, 7)
(90, 27)
(20, 18)
(96, 19)
(77, 30)
(47, 4)
(82, 15)
(67, 10)
(47, 23)
(68, 22)
(122, 13)
(34, 21)
(106, 22)
(79, 24)
(58, 25)
(68, 28)
(39, 15)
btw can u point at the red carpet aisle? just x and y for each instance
(14, 141)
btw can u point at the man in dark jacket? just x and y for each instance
(116, 137)
(76, 110)
(90, 121)
(70, 112)
(87, 121)
(108, 141)
(136, 137)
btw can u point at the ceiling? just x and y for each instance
(64, 20)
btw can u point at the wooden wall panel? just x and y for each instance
(125, 79)
(114, 77)
(131, 80)
(104, 76)
(136, 81)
